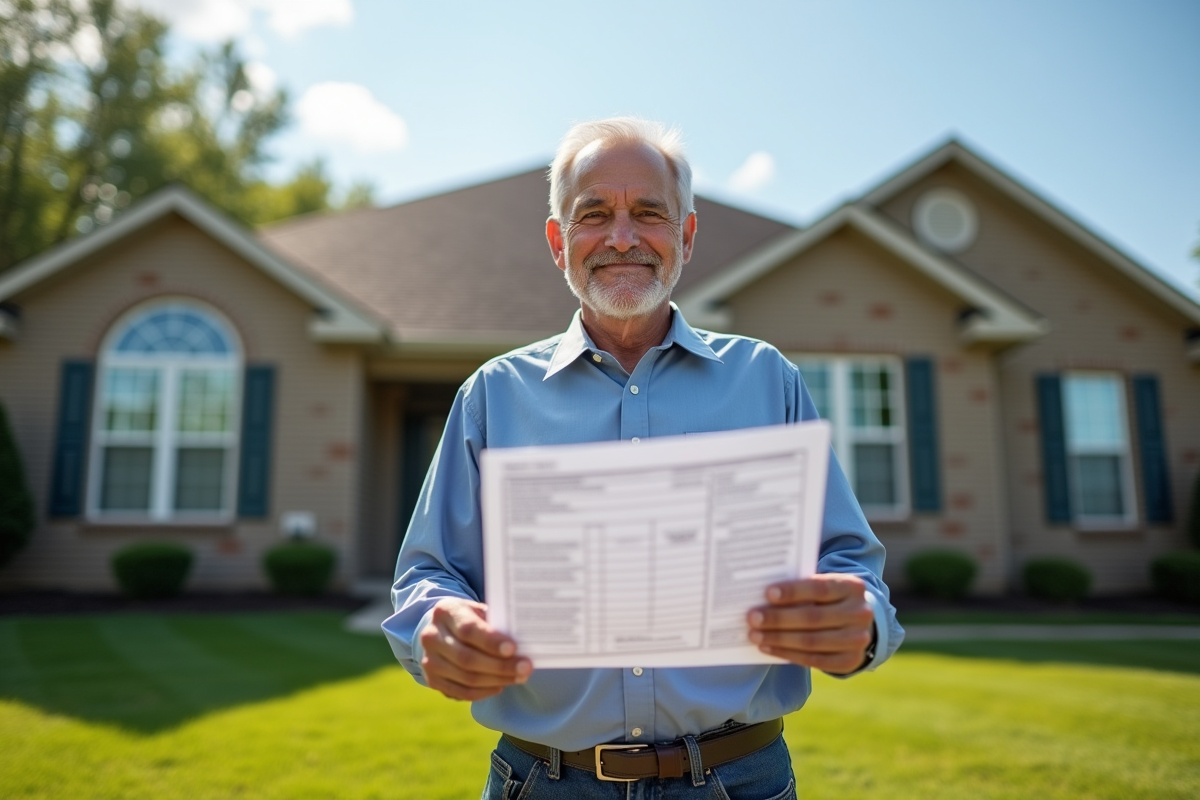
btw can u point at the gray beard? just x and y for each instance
(630, 296)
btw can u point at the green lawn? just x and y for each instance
(289, 706)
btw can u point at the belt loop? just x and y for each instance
(555, 771)
(694, 758)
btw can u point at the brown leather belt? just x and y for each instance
(632, 762)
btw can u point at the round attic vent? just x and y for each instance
(946, 220)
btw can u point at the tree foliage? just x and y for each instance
(92, 116)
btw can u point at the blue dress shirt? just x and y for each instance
(564, 390)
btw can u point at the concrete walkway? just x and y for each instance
(368, 619)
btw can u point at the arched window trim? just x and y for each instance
(167, 443)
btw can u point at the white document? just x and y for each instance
(651, 554)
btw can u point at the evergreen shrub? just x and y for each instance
(1177, 576)
(299, 567)
(1193, 521)
(16, 503)
(1058, 579)
(945, 574)
(152, 569)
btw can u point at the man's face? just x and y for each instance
(623, 244)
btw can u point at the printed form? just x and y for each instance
(620, 554)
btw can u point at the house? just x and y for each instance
(1000, 379)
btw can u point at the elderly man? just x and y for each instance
(629, 366)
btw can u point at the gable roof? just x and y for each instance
(996, 317)
(471, 268)
(338, 319)
(956, 151)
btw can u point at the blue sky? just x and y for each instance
(787, 107)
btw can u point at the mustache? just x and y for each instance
(607, 257)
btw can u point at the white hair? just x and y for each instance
(668, 141)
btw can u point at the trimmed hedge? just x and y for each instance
(298, 567)
(1058, 579)
(945, 574)
(152, 569)
(1177, 576)
(16, 503)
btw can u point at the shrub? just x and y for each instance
(298, 567)
(152, 569)
(946, 574)
(1058, 579)
(16, 503)
(1177, 576)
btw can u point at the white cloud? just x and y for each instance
(755, 172)
(262, 78)
(215, 20)
(350, 114)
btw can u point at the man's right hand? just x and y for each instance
(465, 657)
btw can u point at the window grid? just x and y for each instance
(165, 430)
(862, 399)
(1100, 467)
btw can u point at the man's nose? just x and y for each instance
(621, 235)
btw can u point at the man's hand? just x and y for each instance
(823, 622)
(465, 658)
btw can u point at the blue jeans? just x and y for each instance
(763, 775)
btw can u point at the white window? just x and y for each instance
(164, 439)
(1098, 458)
(863, 399)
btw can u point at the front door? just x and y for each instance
(423, 417)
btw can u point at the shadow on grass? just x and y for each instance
(1169, 656)
(149, 672)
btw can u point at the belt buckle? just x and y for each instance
(600, 748)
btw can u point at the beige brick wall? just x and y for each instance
(318, 406)
(1100, 319)
(848, 295)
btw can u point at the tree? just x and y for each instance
(93, 117)
(16, 503)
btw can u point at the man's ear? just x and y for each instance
(689, 235)
(554, 237)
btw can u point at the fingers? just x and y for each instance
(847, 612)
(465, 658)
(825, 588)
(840, 640)
(833, 663)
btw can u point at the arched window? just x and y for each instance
(166, 422)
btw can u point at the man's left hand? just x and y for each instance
(822, 622)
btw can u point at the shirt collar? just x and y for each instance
(575, 342)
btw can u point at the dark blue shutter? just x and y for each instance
(922, 435)
(254, 474)
(1054, 448)
(1152, 448)
(70, 449)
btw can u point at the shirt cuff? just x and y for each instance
(881, 637)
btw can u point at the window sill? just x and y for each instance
(222, 527)
(1110, 533)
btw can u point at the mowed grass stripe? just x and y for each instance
(928, 725)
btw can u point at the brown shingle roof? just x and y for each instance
(473, 263)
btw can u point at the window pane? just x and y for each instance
(206, 401)
(874, 474)
(175, 329)
(1099, 486)
(125, 481)
(199, 478)
(1094, 412)
(871, 403)
(130, 399)
(816, 378)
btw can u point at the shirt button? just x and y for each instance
(633, 389)
(636, 731)
(635, 440)
(637, 671)
(597, 358)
